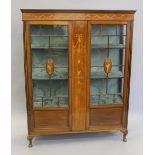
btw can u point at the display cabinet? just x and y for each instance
(77, 70)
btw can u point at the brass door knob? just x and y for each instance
(107, 65)
(50, 67)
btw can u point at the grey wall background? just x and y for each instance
(18, 83)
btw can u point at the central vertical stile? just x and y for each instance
(79, 43)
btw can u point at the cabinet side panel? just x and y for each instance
(27, 65)
(127, 74)
(79, 32)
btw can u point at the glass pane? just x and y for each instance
(108, 42)
(49, 43)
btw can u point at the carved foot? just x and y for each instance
(30, 144)
(125, 132)
(30, 140)
(124, 137)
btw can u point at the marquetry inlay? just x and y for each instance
(76, 16)
(79, 61)
(78, 43)
(78, 46)
(78, 74)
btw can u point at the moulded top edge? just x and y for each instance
(76, 11)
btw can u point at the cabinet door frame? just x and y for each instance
(126, 88)
(28, 72)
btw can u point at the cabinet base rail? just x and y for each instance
(124, 131)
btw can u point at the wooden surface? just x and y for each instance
(79, 116)
(28, 81)
(105, 117)
(78, 15)
(79, 42)
(51, 119)
(67, 131)
(127, 74)
(77, 11)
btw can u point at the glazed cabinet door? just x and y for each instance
(48, 61)
(106, 81)
(56, 75)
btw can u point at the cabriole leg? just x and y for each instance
(29, 137)
(125, 132)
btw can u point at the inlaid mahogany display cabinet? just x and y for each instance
(77, 70)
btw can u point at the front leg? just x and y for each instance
(125, 132)
(29, 138)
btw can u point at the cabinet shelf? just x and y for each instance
(53, 101)
(100, 35)
(41, 74)
(50, 48)
(111, 46)
(44, 35)
(102, 75)
(99, 99)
